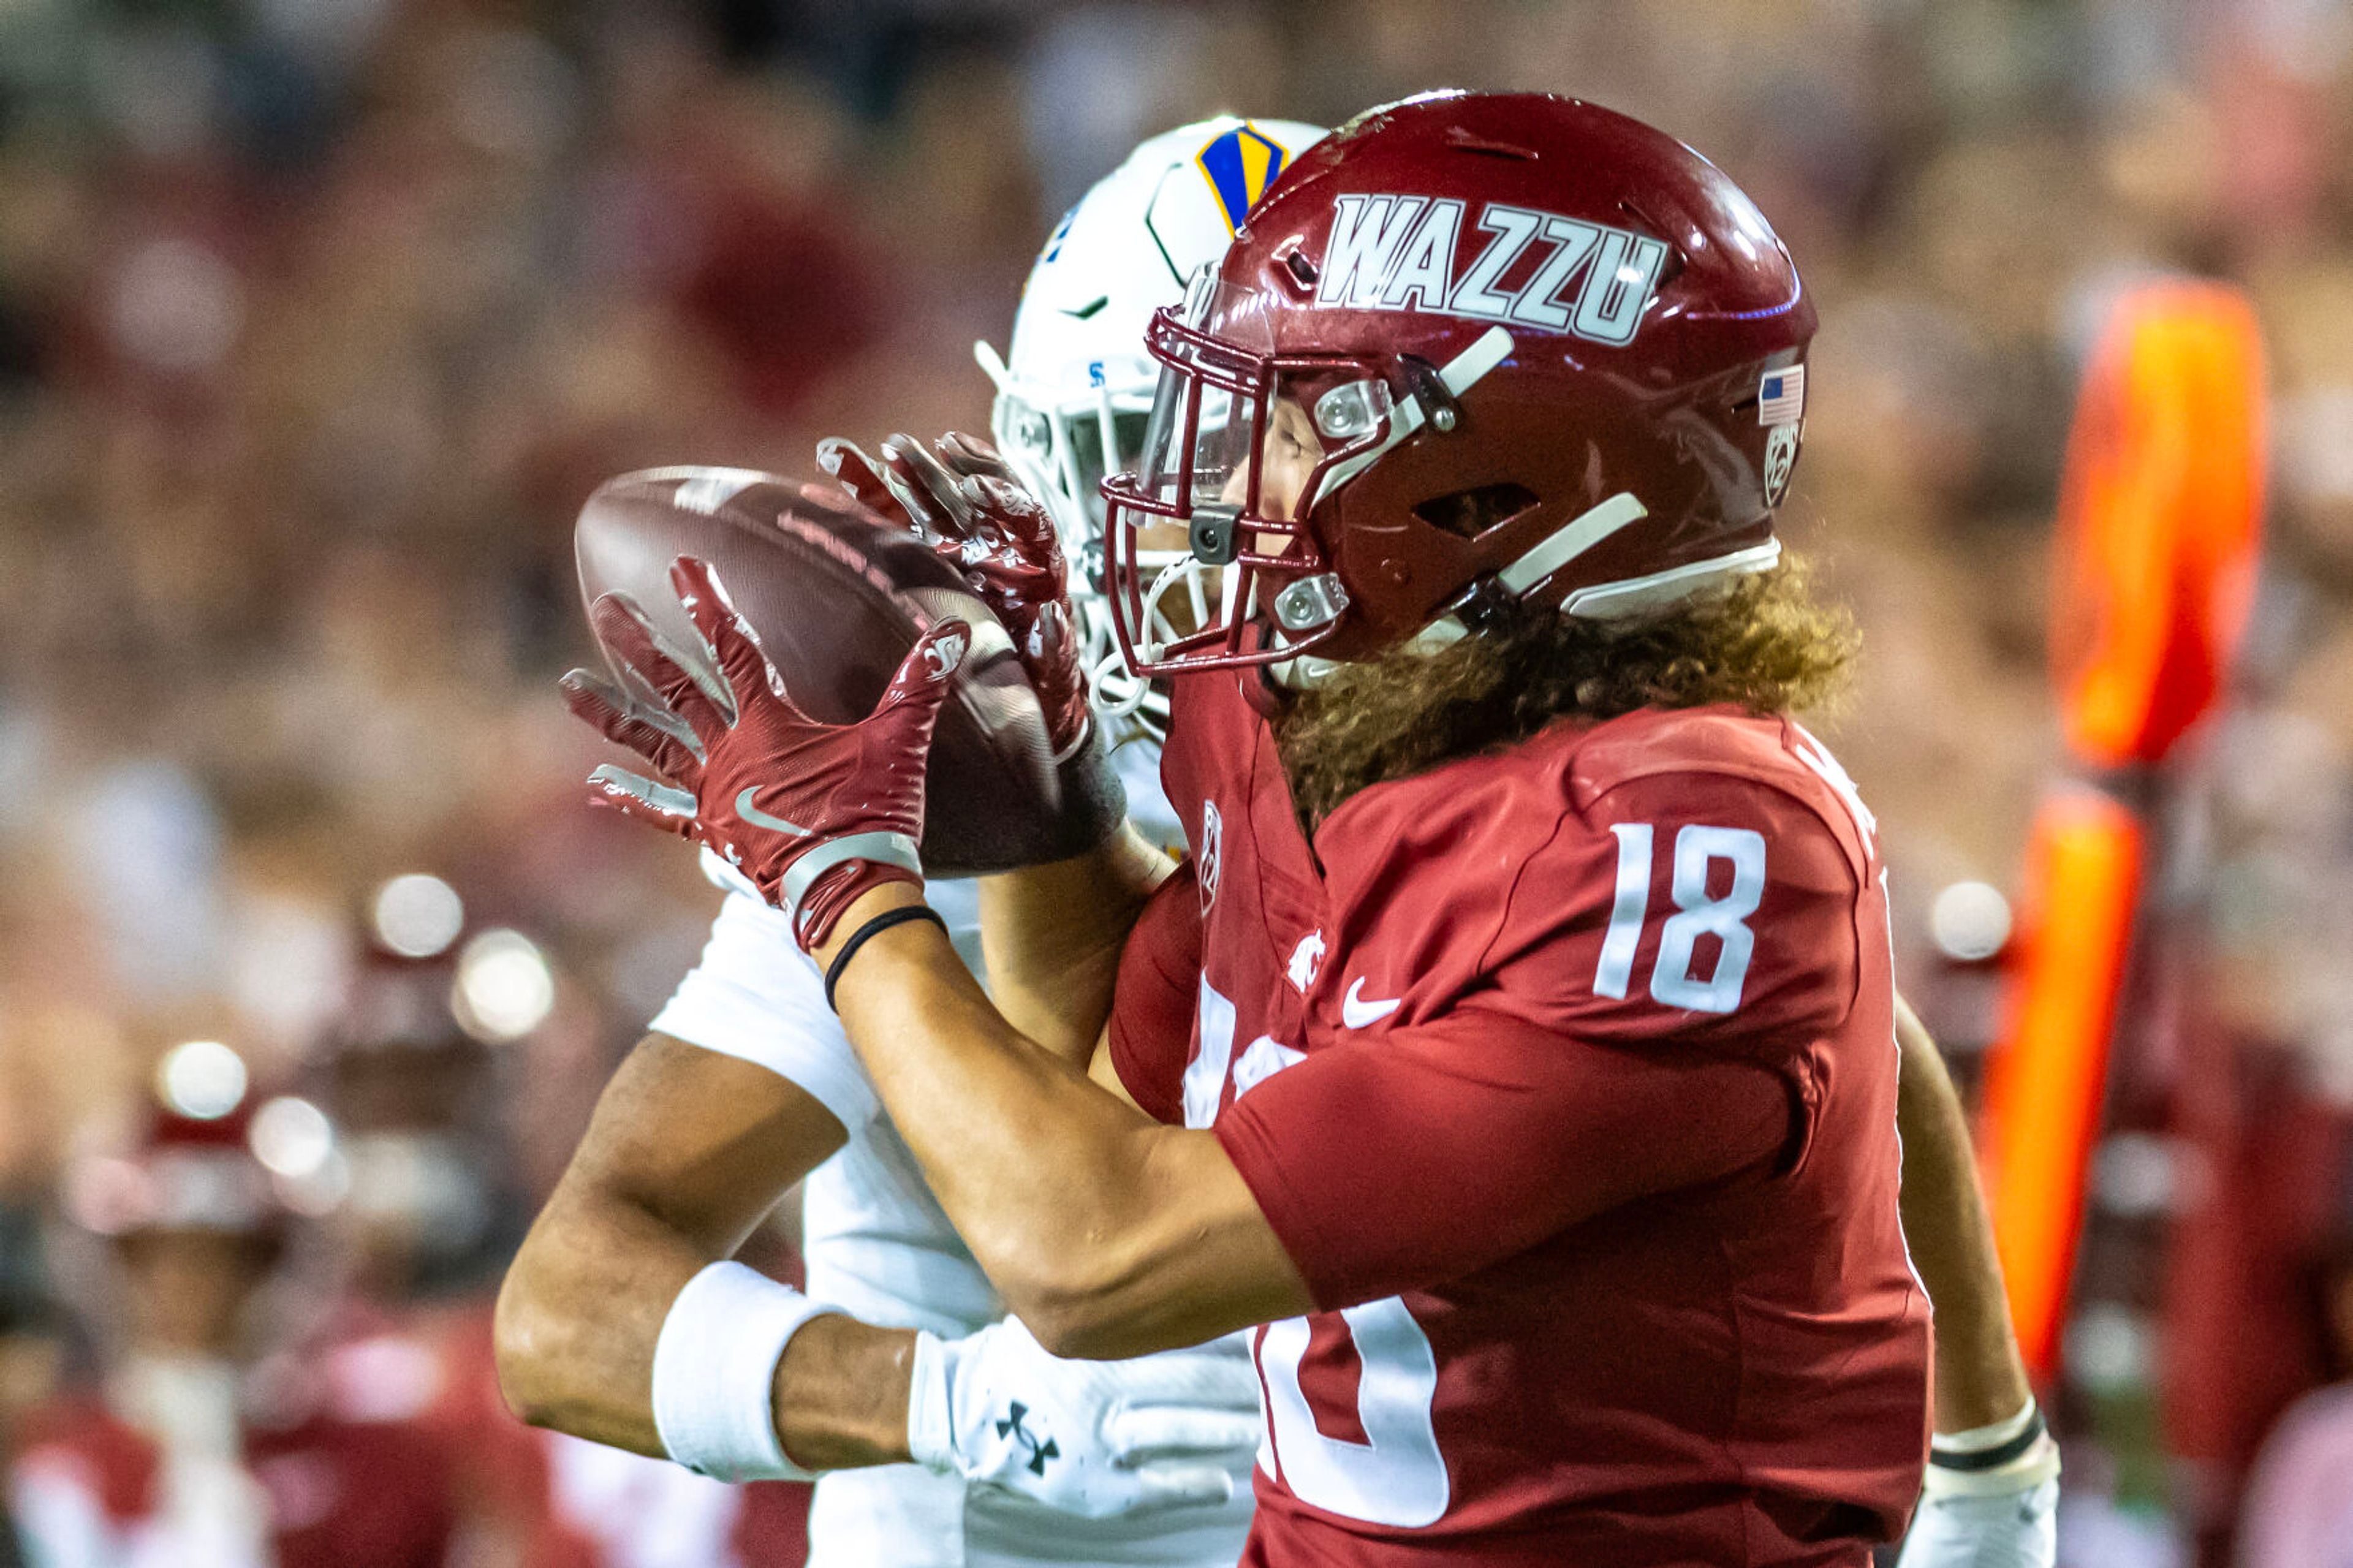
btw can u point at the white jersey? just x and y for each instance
(877, 1245)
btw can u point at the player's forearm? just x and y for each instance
(1980, 1377)
(584, 1306)
(578, 1316)
(1108, 1234)
(688, 1150)
(1051, 935)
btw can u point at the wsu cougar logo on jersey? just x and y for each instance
(1393, 252)
(1205, 853)
(1306, 962)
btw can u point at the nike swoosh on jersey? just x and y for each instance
(758, 818)
(1355, 1011)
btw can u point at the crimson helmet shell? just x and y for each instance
(1557, 321)
(179, 1172)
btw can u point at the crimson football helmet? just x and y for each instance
(1470, 349)
(179, 1172)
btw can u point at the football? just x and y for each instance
(836, 598)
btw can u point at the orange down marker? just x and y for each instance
(2043, 1093)
(2159, 530)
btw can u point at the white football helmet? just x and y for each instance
(1073, 395)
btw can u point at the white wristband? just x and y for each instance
(931, 1426)
(1984, 1439)
(715, 1369)
(2000, 1459)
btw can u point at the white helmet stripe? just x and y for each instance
(1571, 539)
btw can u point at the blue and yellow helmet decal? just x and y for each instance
(1239, 165)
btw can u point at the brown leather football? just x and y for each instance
(836, 598)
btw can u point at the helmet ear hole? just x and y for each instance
(1470, 513)
(1297, 263)
(1673, 266)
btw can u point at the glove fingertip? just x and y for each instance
(612, 613)
(606, 793)
(970, 453)
(590, 706)
(694, 579)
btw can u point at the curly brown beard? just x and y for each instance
(1763, 644)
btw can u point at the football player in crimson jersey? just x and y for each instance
(1579, 1227)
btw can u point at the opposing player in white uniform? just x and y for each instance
(615, 1314)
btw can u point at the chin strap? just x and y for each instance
(1604, 601)
(1607, 601)
(991, 362)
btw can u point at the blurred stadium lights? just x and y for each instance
(2148, 1176)
(296, 1144)
(2111, 1348)
(291, 1137)
(201, 1079)
(417, 915)
(318, 1192)
(504, 989)
(1971, 922)
(176, 307)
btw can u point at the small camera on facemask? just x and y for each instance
(1215, 540)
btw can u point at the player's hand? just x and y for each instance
(1086, 1437)
(964, 499)
(2007, 1516)
(813, 814)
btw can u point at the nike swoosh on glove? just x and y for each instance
(964, 500)
(813, 814)
(1088, 1438)
(2001, 1516)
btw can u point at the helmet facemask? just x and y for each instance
(1244, 443)
(1062, 446)
(1075, 391)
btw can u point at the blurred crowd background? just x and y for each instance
(319, 318)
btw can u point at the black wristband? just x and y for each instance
(1991, 1459)
(875, 927)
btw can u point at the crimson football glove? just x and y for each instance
(964, 500)
(814, 815)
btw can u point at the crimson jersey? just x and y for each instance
(315, 1485)
(1566, 1078)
